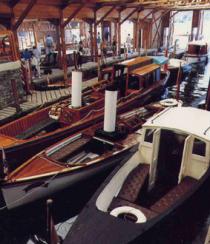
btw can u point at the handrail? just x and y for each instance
(206, 130)
(158, 115)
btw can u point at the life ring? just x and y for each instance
(140, 217)
(170, 102)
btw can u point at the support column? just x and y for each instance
(14, 30)
(95, 37)
(135, 34)
(119, 33)
(195, 25)
(58, 44)
(63, 47)
(164, 33)
(35, 34)
(138, 33)
(91, 41)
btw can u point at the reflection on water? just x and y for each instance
(190, 227)
(191, 89)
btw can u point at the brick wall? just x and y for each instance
(9, 71)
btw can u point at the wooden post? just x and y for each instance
(35, 35)
(178, 83)
(135, 34)
(52, 236)
(138, 33)
(63, 46)
(14, 31)
(195, 23)
(119, 33)
(15, 95)
(58, 46)
(95, 36)
(207, 105)
(91, 41)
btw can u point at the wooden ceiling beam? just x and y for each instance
(66, 4)
(13, 3)
(173, 14)
(82, 5)
(24, 14)
(106, 15)
(161, 16)
(139, 9)
(151, 12)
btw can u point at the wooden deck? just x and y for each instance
(37, 100)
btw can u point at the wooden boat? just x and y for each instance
(74, 159)
(170, 167)
(197, 53)
(173, 67)
(27, 136)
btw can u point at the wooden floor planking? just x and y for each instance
(44, 97)
(36, 99)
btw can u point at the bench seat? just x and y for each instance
(174, 195)
(134, 183)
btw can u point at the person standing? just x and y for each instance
(80, 54)
(98, 40)
(49, 44)
(128, 43)
(103, 51)
(37, 56)
(114, 46)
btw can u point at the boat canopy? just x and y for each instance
(133, 61)
(159, 60)
(189, 120)
(145, 70)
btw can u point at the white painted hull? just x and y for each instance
(196, 59)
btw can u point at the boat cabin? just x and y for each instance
(173, 156)
(135, 74)
(144, 77)
(176, 145)
(197, 48)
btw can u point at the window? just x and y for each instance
(149, 135)
(199, 147)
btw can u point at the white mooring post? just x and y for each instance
(76, 89)
(110, 111)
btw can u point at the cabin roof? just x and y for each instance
(142, 71)
(186, 119)
(197, 43)
(133, 61)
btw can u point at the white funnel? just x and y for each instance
(110, 111)
(76, 89)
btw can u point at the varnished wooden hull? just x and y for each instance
(20, 193)
(20, 152)
(185, 71)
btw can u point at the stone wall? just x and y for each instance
(9, 71)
